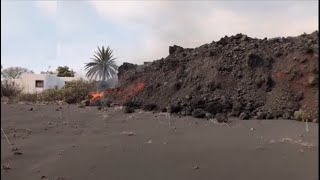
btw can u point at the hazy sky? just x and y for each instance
(39, 34)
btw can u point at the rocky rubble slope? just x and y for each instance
(238, 75)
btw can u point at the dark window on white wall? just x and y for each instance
(39, 83)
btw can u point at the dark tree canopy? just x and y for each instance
(65, 72)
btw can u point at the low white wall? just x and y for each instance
(28, 82)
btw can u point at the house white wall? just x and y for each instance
(28, 82)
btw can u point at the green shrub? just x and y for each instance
(10, 89)
(51, 95)
(76, 91)
(302, 116)
(28, 97)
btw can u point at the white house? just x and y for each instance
(33, 83)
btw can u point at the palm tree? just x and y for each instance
(103, 65)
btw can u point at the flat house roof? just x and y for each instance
(42, 76)
(33, 77)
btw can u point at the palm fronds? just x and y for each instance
(103, 65)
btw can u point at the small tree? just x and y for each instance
(14, 72)
(65, 72)
(9, 88)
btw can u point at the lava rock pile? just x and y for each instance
(240, 76)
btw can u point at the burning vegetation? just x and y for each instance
(119, 96)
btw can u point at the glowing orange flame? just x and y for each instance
(131, 92)
(95, 96)
(124, 95)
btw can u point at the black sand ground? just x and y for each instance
(87, 144)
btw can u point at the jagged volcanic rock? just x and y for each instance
(236, 75)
